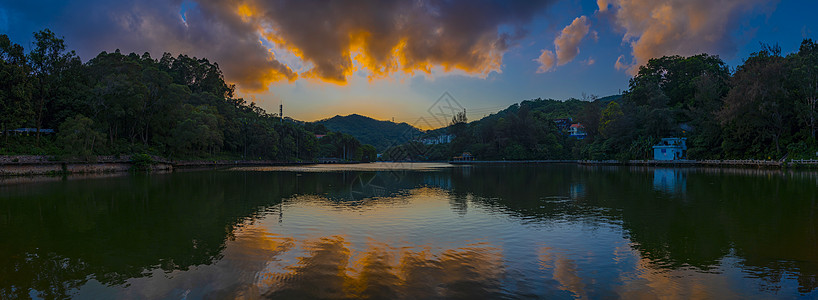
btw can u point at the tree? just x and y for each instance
(676, 77)
(15, 86)
(804, 77)
(368, 153)
(611, 115)
(758, 109)
(199, 132)
(78, 137)
(48, 60)
(589, 117)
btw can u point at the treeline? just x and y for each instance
(764, 109)
(178, 107)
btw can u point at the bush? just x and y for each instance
(142, 162)
(77, 136)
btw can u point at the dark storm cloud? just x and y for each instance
(383, 36)
(157, 26)
(394, 35)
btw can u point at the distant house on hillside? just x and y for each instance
(670, 149)
(577, 131)
(319, 136)
(441, 139)
(29, 131)
(563, 124)
(465, 157)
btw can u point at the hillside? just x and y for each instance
(381, 134)
(549, 108)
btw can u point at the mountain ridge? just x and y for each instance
(378, 133)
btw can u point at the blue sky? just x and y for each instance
(317, 57)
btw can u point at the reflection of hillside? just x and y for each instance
(355, 188)
(768, 219)
(60, 235)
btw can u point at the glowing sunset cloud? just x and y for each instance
(385, 37)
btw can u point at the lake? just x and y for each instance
(416, 231)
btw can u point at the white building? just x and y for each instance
(577, 131)
(670, 149)
(441, 139)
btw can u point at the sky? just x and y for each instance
(394, 59)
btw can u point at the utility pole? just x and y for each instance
(281, 112)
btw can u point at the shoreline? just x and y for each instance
(746, 163)
(32, 165)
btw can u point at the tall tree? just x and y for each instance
(48, 60)
(804, 76)
(758, 111)
(15, 86)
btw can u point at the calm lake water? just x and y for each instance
(413, 231)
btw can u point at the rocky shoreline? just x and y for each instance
(25, 165)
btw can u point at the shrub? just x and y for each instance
(141, 162)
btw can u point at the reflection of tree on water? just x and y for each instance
(764, 220)
(115, 229)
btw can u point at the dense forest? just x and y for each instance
(763, 109)
(177, 107)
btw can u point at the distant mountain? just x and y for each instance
(381, 134)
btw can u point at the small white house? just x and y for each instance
(670, 149)
(577, 131)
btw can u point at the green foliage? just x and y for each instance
(177, 107)
(758, 111)
(767, 108)
(142, 162)
(15, 86)
(341, 145)
(78, 136)
(380, 134)
(368, 153)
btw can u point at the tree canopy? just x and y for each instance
(766, 108)
(116, 103)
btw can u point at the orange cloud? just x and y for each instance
(335, 39)
(568, 41)
(669, 27)
(566, 45)
(603, 5)
(546, 60)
